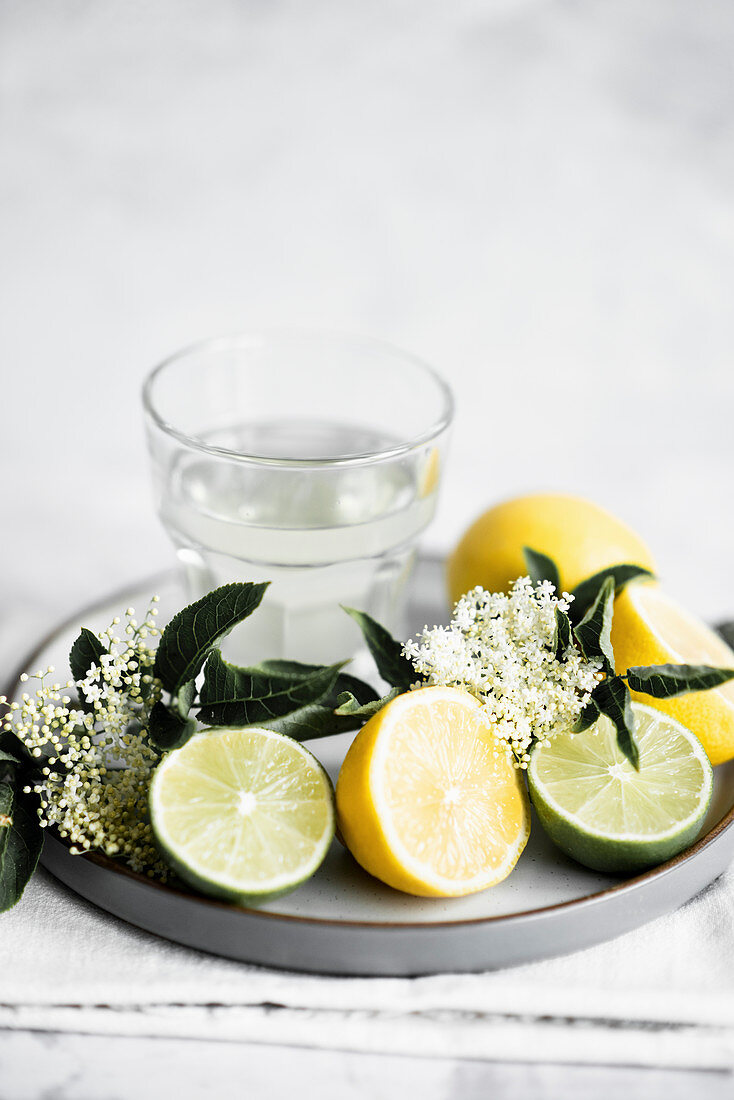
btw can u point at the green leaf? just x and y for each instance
(86, 651)
(561, 634)
(190, 635)
(392, 664)
(362, 691)
(185, 697)
(588, 716)
(586, 592)
(594, 632)
(21, 843)
(347, 704)
(167, 729)
(612, 698)
(541, 568)
(314, 720)
(7, 801)
(9, 757)
(12, 749)
(666, 681)
(233, 696)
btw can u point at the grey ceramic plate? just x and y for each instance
(344, 922)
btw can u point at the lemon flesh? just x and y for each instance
(603, 813)
(242, 814)
(428, 800)
(649, 628)
(581, 537)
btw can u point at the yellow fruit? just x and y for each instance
(581, 537)
(429, 477)
(649, 628)
(428, 799)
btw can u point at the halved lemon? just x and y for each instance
(649, 628)
(428, 799)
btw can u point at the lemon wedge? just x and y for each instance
(428, 800)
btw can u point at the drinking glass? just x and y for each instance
(310, 460)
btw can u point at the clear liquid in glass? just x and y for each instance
(322, 535)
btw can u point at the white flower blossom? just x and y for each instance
(500, 647)
(96, 762)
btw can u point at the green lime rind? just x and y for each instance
(239, 889)
(215, 889)
(618, 850)
(609, 855)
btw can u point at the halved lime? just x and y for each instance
(603, 813)
(242, 814)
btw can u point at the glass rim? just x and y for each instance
(262, 335)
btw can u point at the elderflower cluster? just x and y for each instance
(95, 762)
(501, 649)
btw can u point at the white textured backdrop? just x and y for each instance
(536, 196)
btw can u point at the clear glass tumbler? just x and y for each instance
(307, 459)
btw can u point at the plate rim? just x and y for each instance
(104, 862)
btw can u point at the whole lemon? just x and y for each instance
(581, 537)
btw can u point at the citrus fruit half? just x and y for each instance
(603, 813)
(650, 628)
(428, 800)
(242, 814)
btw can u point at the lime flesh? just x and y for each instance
(242, 814)
(603, 813)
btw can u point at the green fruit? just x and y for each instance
(242, 814)
(603, 813)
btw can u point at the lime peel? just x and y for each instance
(675, 775)
(242, 814)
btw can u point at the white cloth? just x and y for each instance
(659, 996)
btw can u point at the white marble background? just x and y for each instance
(534, 195)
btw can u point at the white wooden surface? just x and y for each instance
(535, 195)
